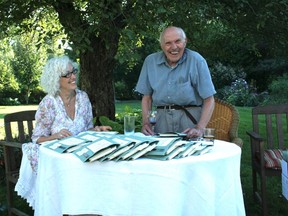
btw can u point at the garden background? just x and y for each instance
(244, 42)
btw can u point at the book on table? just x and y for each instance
(142, 144)
(120, 150)
(181, 149)
(190, 148)
(63, 145)
(173, 154)
(71, 143)
(97, 149)
(150, 147)
(170, 134)
(203, 150)
(101, 146)
(92, 136)
(125, 146)
(165, 145)
(194, 148)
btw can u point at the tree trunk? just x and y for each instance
(97, 80)
(98, 60)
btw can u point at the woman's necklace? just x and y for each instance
(69, 105)
(69, 101)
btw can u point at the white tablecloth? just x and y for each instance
(198, 185)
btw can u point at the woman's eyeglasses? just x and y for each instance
(69, 74)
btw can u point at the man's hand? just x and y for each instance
(193, 132)
(147, 130)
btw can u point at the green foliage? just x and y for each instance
(223, 75)
(239, 93)
(122, 92)
(268, 70)
(23, 57)
(279, 90)
(239, 33)
(232, 87)
(9, 101)
(37, 94)
(9, 88)
(24, 65)
(118, 124)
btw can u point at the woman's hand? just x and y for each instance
(102, 128)
(63, 133)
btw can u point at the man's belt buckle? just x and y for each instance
(170, 107)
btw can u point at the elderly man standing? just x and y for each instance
(177, 81)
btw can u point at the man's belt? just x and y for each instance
(178, 107)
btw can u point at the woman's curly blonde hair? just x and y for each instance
(52, 72)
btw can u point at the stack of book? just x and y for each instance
(103, 146)
(175, 147)
(107, 146)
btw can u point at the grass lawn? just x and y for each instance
(278, 206)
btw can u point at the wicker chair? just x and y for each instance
(225, 120)
(13, 153)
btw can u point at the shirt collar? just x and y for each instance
(162, 59)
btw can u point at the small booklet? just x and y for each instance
(120, 150)
(202, 151)
(190, 148)
(166, 145)
(170, 134)
(65, 144)
(141, 144)
(70, 144)
(137, 148)
(90, 134)
(138, 154)
(170, 156)
(125, 146)
(96, 149)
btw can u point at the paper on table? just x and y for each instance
(64, 144)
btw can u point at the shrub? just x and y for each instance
(223, 75)
(279, 90)
(9, 101)
(118, 124)
(239, 93)
(121, 91)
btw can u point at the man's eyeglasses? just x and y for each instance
(69, 74)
